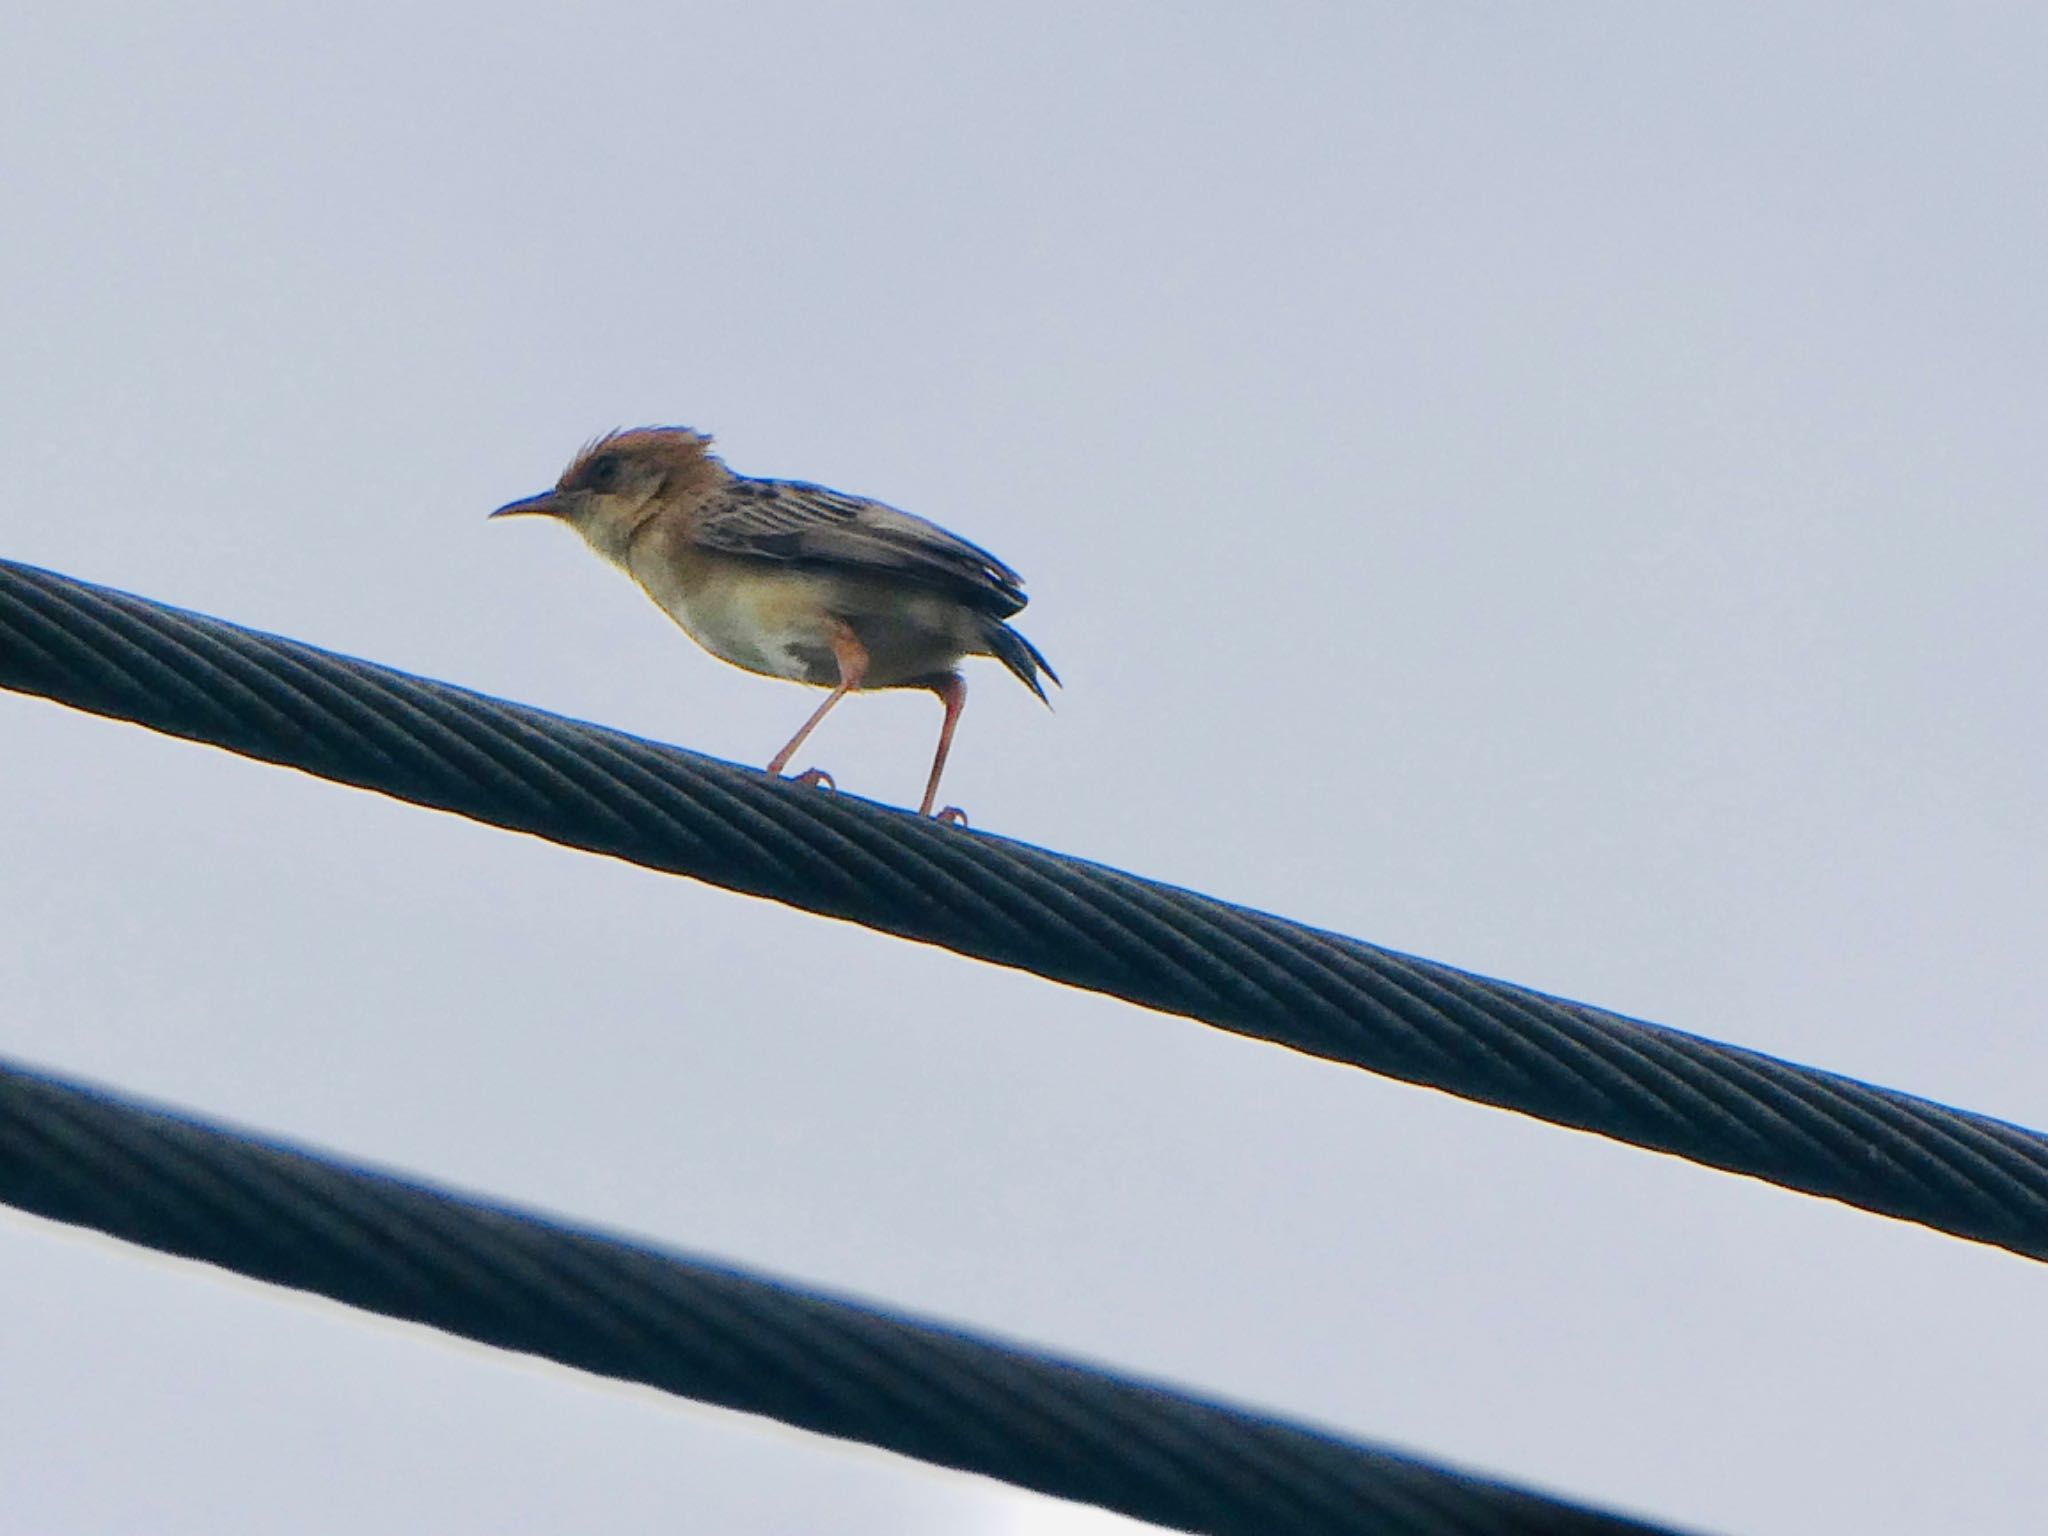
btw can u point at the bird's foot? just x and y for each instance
(951, 816)
(813, 778)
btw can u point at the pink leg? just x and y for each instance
(853, 669)
(952, 693)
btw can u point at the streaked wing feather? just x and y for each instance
(788, 520)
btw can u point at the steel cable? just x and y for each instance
(721, 1336)
(1080, 923)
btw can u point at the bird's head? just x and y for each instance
(618, 482)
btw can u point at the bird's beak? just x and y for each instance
(543, 505)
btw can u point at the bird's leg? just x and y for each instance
(952, 692)
(852, 657)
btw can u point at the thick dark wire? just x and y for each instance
(1084, 924)
(718, 1335)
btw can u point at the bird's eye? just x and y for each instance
(603, 472)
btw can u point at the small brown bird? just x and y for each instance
(794, 580)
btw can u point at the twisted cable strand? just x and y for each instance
(712, 1333)
(1080, 923)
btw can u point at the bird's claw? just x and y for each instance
(813, 778)
(951, 816)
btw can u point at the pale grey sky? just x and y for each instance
(1556, 489)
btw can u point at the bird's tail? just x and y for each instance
(1019, 655)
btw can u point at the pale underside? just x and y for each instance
(781, 622)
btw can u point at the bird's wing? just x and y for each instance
(788, 520)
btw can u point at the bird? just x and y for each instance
(794, 580)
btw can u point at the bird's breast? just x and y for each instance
(774, 622)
